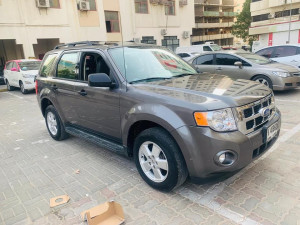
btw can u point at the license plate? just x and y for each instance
(272, 131)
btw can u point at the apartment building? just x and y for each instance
(29, 28)
(214, 20)
(275, 22)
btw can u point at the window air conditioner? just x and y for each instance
(42, 3)
(84, 5)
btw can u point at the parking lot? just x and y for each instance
(35, 168)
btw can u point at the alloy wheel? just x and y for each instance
(263, 81)
(52, 123)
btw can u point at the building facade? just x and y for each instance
(29, 28)
(275, 22)
(214, 20)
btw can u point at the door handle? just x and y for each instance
(54, 87)
(82, 92)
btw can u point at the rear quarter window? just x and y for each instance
(47, 65)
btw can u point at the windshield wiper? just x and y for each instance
(183, 75)
(149, 79)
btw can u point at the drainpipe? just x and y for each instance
(289, 36)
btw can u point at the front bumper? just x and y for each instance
(286, 83)
(200, 145)
(29, 83)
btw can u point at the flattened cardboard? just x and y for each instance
(108, 213)
(53, 203)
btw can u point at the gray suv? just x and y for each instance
(147, 103)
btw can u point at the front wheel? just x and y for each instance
(9, 88)
(159, 160)
(54, 124)
(264, 80)
(23, 90)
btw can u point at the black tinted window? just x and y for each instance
(182, 55)
(226, 60)
(204, 60)
(207, 49)
(285, 51)
(47, 65)
(68, 66)
(266, 52)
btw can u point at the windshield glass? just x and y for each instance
(216, 47)
(149, 63)
(30, 65)
(255, 58)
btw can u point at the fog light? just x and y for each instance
(225, 158)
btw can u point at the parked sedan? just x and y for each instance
(21, 74)
(246, 65)
(287, 54)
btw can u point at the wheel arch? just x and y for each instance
(44, 104)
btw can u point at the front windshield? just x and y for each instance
(216, 47)
(30, 65)
(255, 58)
(144, 63)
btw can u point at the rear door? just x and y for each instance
(98, 108)
(205, 63)
(225, 66)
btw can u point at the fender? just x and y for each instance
(156, 113)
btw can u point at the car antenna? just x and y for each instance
(124, 61)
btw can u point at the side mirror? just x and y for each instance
(14, 69)
(239, 64)
(100, 80)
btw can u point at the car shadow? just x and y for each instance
(286, 92)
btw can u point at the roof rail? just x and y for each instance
(73, 44)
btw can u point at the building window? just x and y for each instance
(112, 22)
(171, 42)
(170, 7)
(260, 17)
(148, 40)
(287, 13)
(92, 5)
(54, 4)
(141, 6)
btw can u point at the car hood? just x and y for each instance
(281, 66)
(211, 91)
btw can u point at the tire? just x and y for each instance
(9, 88)
(164, 169)
(23, 90)
(264, 80)
(54, 125)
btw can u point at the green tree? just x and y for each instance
(240, 28)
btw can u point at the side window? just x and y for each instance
(207, 49)
(204, 60)
(68, 66)
(8, 66)
(48, 65)
(284, 51)
(266, 52)
(183, 55)
(226, 60)
(92, 63)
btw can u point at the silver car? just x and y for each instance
(246, 65)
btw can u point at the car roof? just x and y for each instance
(293, 45)
(230, 52)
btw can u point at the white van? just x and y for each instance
(188, 52)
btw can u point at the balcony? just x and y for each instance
(213, 25)
(210, 37)
(215, 14)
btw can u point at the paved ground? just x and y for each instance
(34, 168)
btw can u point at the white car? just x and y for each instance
(21, 74)
(287, 54)
(208, 47)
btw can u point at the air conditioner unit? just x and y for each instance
(163, 2)
(43, 3)
(183, 3)
(154, 2)
(84, 5)
(137, 40)
(185, 34)
(163, 32)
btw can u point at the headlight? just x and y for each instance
(219, 120)
(281, 74)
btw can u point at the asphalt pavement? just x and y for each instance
(35, 168)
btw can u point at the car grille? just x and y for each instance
(250, 117)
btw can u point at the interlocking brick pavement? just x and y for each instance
(35, 168)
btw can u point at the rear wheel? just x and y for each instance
(264, 80)
(9, 88)
(23, 90)
(54, 125)
(159, 160)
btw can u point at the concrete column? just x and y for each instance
(28, 50)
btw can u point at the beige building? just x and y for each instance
(274, 21)
(29, 28)
(214, 20)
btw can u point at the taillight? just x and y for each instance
(36, 87)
